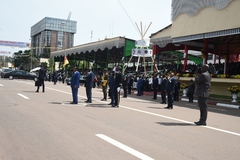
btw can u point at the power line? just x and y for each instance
(127, 14)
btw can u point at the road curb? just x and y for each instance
(195, 101)
(217, 104)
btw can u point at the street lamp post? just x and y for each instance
(31, 55)
(31, 58)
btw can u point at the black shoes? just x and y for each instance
(38, 91)
(163, 103)
(168, 107)
(115, 105)
(88, 101)
(200, 123)
(73, 103)
(103, 99)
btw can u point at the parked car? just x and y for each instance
(81, 80)
(5, 71)
(19, 74)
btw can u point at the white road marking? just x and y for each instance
(1, 85)
(217, 109)
(23, 96)
(179, 120)
(124, 147)
(159, 115)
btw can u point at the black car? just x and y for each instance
(81, 80)
(19, 74)
(5, 71)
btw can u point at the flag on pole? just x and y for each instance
(65, 62)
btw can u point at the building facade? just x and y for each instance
(52, 34)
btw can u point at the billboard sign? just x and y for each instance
(14, 44)
(4, 53)
(141, 52)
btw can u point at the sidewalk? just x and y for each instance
(211, 101)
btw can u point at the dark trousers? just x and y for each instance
(176, 96)
(202, 101)
(163, 95)
(155, 93)
(116, 96)
(41, 83)
(75, 94)
(111, 95)
(104, 89)
(139, 91)
(124, 91)
(89, 93)
(170, 100)
(190, 97)
(129, 89)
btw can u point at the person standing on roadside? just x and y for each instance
(41, 78)
(63, 77)
(104, 82)
(75, 85)
(111, 88)
(177, 88)
(155, 86)
(170, 90)
(191, 89)
(130, 84)
(125, 86)
(89, 85)
(55, 77)
(163, 89)
(203, 81)
(139, 86)
(117, 86)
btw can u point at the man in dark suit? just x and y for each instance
(125, 86)
(191, 89)
(117, 85)
(203, 82)
(75, 85)
(177, 88)
(139, 86)
(155, 86)
(89, 85)
(41, 78)
(111, 88)
(55, 77)
(170, 90)
(163, 89)
(130, 84)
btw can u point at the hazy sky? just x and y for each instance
(106, 18)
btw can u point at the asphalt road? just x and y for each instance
(45, 126)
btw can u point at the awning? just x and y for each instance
(117, 42)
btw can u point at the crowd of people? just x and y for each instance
(112, 81)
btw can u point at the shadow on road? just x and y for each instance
(185, 104)
(174, 124)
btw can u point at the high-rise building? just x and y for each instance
(51, 34)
